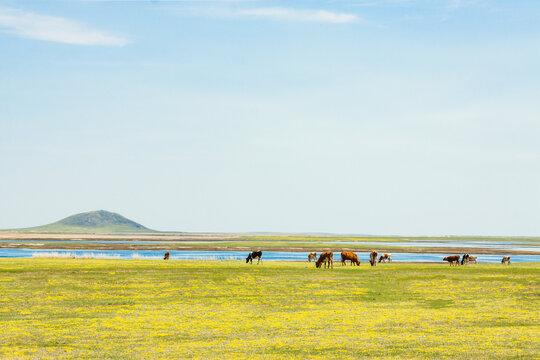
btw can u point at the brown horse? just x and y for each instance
(347, 255)
(452, 259)
(373, 258)
(327, 258)
(505, 260)
(312, 256)
(166, 257)
(385, 258)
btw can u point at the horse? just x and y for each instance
(312, 256)
(253, 255)
(452, 259)
(327, 258)
(373, 258)
(166, 257)
(385, 258)
(347, 255)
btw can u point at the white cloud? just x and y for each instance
(288, 14)
(273, 13)
(56, 29)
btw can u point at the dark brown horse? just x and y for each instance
(373, 258)
(327, 258)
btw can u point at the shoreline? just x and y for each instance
(241, 263)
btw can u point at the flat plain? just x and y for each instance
(242, 242)
(118, 309)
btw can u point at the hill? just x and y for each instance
(100, 221)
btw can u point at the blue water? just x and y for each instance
(240, 255)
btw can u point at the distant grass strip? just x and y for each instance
(331, 238)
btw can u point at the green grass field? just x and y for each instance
(361, 238)
(122, 309)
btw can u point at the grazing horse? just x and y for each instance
(465, 259)
(254, 255)
(473, 258)
(373, 258)
(166, 257)
(347, 255)
(327, 258)
(505, 260)
(452, 259)
(312, 256)
(385, 258)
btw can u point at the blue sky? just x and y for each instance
(415, 117)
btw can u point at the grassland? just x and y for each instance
(357, 238)
(224, 242)
(247, 246)
(118, 309)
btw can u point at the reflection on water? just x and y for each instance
(233, 255)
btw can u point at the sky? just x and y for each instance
(387, 117)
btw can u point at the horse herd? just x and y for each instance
(466, 259)
(327, 258)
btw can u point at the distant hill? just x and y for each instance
(100, 221)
